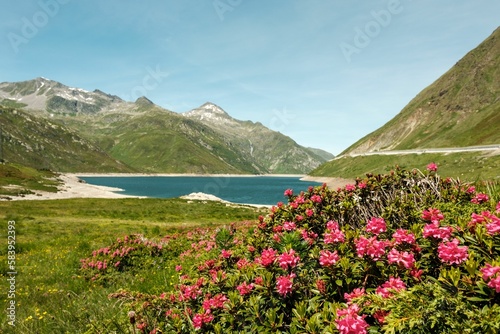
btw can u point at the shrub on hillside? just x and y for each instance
(405, 252)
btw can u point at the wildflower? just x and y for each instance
(358, 292)
(258, 280)
(495, 284)
(288, 259)
(350, 322)
(432, 167)
(432, 215)
(288, 192)
(202, 318)
(450, 252)
(471, 190)
(289, 226)
(480, 198)
(332, 225)
(393, 284)
(226, 254)
(316, 198)
(350, 187)
(309, 212)
(376, 226)
(401, 236)
(284, 284)
(362, 185)
(215, 302)
(334, 236)
(371, 247)
(433, 230)
(321, 285)
(178, 267)
(404, 259)
(242, 263)
(489, 271)
(327, 258)
(245, 288)
(380, 316)
(267, 257)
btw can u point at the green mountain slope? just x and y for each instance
(40, 143)
(461, 108)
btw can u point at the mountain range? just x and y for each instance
(42, 121)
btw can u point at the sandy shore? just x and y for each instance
(332, 182)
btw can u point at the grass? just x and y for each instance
(17, 180)
(466, 166)
(52, 237)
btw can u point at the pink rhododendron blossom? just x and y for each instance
(327, 258)
(178, 268)
(216, 302)
(404, 259)
(321, 286)
(432, 215)
(489, 271)
(432, 167)
(299, 218)
(284, 284)
(416, 273)
(362, 185)
(334, 236)
(371, 247)
(268, 257)
(380, 316)
(392, 285)
(350, 187)
(289, 226)
(316, 199)
(435, 231)
(226, 254)
(350, 322)
(258, 280)
(403, 236)
(243, 263)
(332, 225)
(376, 226)
(202, 318)
(480, 198)
(358, 292)
(495, 284)
(288, 192)
(309, 212)
(450, 252)
(245, 288)
(471, 190)
(288, 259)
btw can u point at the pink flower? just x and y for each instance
(371, 247)
(433, 230)
(480, 198)
(432, 215)
(362, 185)
(350, 187)
(404, 259)
(242, 263)
(471, 190)
(202, 318)
(376, 226)
(284, 284)
(226, 254)
(332, 225)
(495, 284)
(358, 292)
(432, 167)
(350, 322)
(390, 286)
(268, 257)
(401, 236)
(334, 236)
(258, 280)
(288, 192)
(288, 259)
(245, 288)
(215, 302)
(450, 252)
(289, 226)
(321, 286)
(309, 212)
(316, 198)
(489, 271)
(178, 268)
(494, 227)
(327, 258)
(380, 316)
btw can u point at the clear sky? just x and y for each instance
(324, 72)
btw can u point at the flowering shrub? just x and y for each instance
(404, 252)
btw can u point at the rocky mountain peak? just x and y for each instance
(210, 112)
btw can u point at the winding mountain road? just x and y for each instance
(493, 147)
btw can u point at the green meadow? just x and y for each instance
(51, 237)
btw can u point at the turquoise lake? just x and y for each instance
(266, 190)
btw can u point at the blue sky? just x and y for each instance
(324, 72)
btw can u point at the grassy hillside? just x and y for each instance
(467, 166)
(18, 180)
(461, 108)
(43, 144)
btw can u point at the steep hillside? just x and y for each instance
(461, 108)
(44, 144)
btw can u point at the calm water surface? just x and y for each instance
(252, 190)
